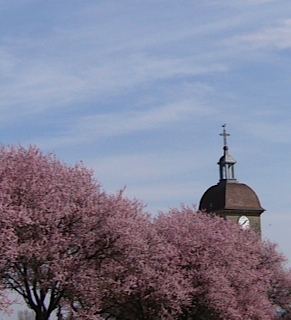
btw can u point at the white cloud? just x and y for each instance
(38, 84)
(126, 120)
(134, 121)
(274, 37)
(145, 166)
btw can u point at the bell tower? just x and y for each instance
(229, 198)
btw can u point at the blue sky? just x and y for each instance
(138, 90)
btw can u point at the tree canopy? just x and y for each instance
(229, 271)
(69, 247)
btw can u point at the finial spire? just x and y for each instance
(225, 135)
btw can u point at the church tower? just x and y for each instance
(231, 199)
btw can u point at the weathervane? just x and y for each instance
(225, 135)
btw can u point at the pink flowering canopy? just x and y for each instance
(69, 247)
(231, 273)
(59, 226)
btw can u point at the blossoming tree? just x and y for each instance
(57, 222)
(231, 272)
(66, 246)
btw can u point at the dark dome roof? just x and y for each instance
(230, 196)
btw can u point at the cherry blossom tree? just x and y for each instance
(279, 290)
(231, 273)
(189, 265)
(42, 203)
(62, 227)
(138, 283)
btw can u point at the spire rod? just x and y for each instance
(225, 135)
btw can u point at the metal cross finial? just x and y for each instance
(225, 135)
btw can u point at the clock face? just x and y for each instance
(244, 222)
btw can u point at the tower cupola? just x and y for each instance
(226, 162)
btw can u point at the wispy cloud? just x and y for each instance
(132, 122)
(54, 83)
(272, 37)
(126, 121)
(145, 166)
